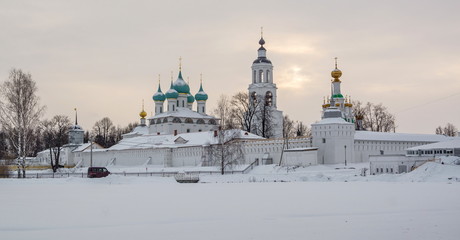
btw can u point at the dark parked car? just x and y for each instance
(97, 172)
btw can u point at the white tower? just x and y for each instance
(268, 121)
(334, 134)
(76, 133)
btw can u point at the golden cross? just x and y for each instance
(180, 63)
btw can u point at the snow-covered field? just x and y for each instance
(319, 202)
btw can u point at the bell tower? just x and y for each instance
(268, 121)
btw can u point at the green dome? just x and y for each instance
(180, 85)
(337, 96)
(190, 98)
(159, 96)
(201, 95)
(172, 93)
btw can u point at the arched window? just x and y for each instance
(212, 122)
(158, 121)
(165, 120)
(176, 120)
(200, 121)
(268, 98)
(254, 98)
(254, 76)
(267, 76)
(261, 76)
(188, 120)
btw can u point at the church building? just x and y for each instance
(178, 116)
(181, 133)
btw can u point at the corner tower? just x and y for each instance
(76, 133)
(267, 121)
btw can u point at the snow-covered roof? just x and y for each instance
(404, 137)
(189, 139)
(82, 147)
(76, 128)
(182, 112)
(86, 146)
(448, 144)
(331, 121)
(139, 130)
(301, 149)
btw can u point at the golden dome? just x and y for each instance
(336, 73)
(143, 114)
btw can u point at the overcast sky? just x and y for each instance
(104, 57)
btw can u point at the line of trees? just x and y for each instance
(254, 114)
(23, 134)
(449, 130)
(242, 112)
(106, 134)
(373, 117)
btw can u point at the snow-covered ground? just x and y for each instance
(320, 202)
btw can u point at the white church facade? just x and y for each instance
(180, 133)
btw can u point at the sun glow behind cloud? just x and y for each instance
(292, 78)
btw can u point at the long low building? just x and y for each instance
(200, 149)
(414, 157)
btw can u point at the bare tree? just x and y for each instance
(375, 117)
(449, 130)
(439, 131)
(242, 112)
(3, 145)
(263, 117)
(288, 127)
(227, 151)
(224, 111)
(102, 130)
(117, 133)
(56, 135)
(250, 113)
(20, 113)
(302, 130)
